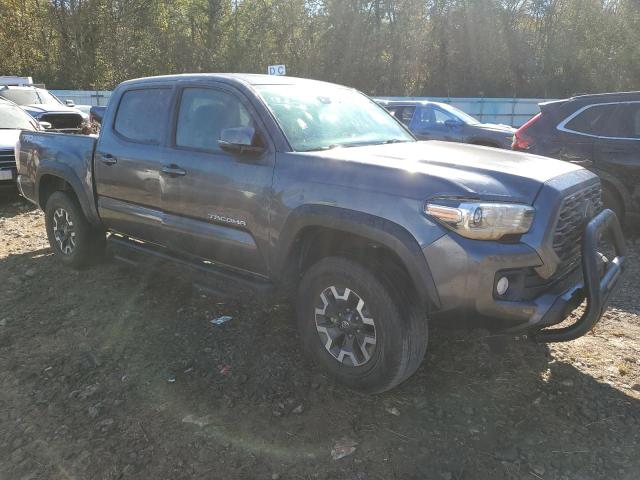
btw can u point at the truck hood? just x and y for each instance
(434, 168)
(8, 138)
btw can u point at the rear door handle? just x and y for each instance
(108, 159)
(173, 171)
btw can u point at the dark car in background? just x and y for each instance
(45, 107)
(600, 132)
(440, 121)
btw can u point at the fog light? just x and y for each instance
(502, 286)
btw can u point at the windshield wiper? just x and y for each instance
(384, 142)
(356, 144)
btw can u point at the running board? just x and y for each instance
(206, 276)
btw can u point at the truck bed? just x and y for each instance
(44, 155)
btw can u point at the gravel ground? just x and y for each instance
(110, 373)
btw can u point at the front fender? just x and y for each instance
(377, 229)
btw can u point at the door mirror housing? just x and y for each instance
(45, 125)
(241, 140)
(453, 123)
(69, 103)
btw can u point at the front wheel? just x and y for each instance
(356, 328)
(73, 239)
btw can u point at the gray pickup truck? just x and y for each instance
(298, 183)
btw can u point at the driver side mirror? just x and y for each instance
(45, 125)
(240, 140)
(69, 103)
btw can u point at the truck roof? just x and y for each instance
(233, 78)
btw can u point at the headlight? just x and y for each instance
(482, 221)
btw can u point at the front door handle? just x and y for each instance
(173, 171)
(108, 159)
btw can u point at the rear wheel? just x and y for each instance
(74, 240)
(356, 328)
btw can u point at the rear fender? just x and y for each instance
(82, 189)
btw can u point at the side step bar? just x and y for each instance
(206, 276)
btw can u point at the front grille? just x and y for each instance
(7, 158)
(567, 239)
(63, 121)
(7, 162)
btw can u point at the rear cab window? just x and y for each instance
(142, 114)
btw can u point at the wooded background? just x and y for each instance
(492, 48)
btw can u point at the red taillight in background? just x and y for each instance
(522, 141)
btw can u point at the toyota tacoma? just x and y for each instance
(277, 181)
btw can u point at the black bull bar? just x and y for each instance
(598, 286)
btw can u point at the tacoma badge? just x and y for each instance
(221, 218)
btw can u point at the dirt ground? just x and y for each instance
(112, 374)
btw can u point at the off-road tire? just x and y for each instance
(401, 328)
(89, 242)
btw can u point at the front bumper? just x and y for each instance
(465, 272)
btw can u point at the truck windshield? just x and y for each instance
(324, 117)
(29, 96)
(13, 118)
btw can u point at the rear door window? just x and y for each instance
(591, 120)
(142, 114)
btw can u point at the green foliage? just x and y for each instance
(539, 48)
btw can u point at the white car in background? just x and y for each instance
(13, 120)
(44, 106)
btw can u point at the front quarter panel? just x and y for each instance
(311, 191)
